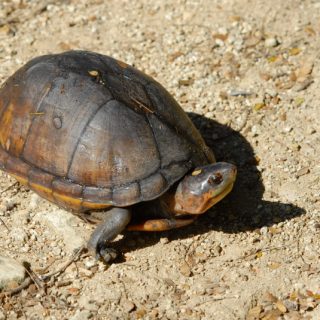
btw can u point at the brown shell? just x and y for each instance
(86, 131)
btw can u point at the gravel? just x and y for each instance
(250, 76)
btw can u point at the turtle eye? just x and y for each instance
(215, 179)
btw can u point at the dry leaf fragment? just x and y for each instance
(65, 46)
(302, 172)
(310, 31)
(273, 59)
(265, 76)
(293, 296)
(74, 291)
(304, 85)
(274, 230)
(234, 18)
(315, 296)
(185, 82)
(269, 297)
(258, 106)
(220, 36)
(304, 70)
(293, 76)
(298, 101)
(140, 313)
(294, 51)
(5, 29)
(283, 116)
(309, 293)
(279, 304)
(174, 56)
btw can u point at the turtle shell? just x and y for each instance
(86, 131)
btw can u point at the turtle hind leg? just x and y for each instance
(161, 224)
(114, 223)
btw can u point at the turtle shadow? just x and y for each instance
(242, 210)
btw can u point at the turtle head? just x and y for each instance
(203, 188)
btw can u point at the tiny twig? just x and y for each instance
(24, 285)
(215, 299)
(1, 220)
(33, 276)
(142, 106)
(10, 187)
(73, 258)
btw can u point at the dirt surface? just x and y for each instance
(248, 72)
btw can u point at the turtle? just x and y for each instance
(92, 134)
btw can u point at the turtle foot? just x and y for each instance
(107, 255)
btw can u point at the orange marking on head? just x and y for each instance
(196, 172)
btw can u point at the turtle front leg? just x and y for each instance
(114, 223)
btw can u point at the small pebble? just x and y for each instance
(185, 270)
(271, 42)
(164, 240)
(89, 263)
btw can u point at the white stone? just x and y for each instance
(271, 42)
(10, 270)
(18, 235)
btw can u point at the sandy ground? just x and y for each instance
(248, 72)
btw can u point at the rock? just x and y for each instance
(62, 223)
(271, 42)
(90, 263)
(10, 270)
(185, 270)
(18, 235)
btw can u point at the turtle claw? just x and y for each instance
(106, 254)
